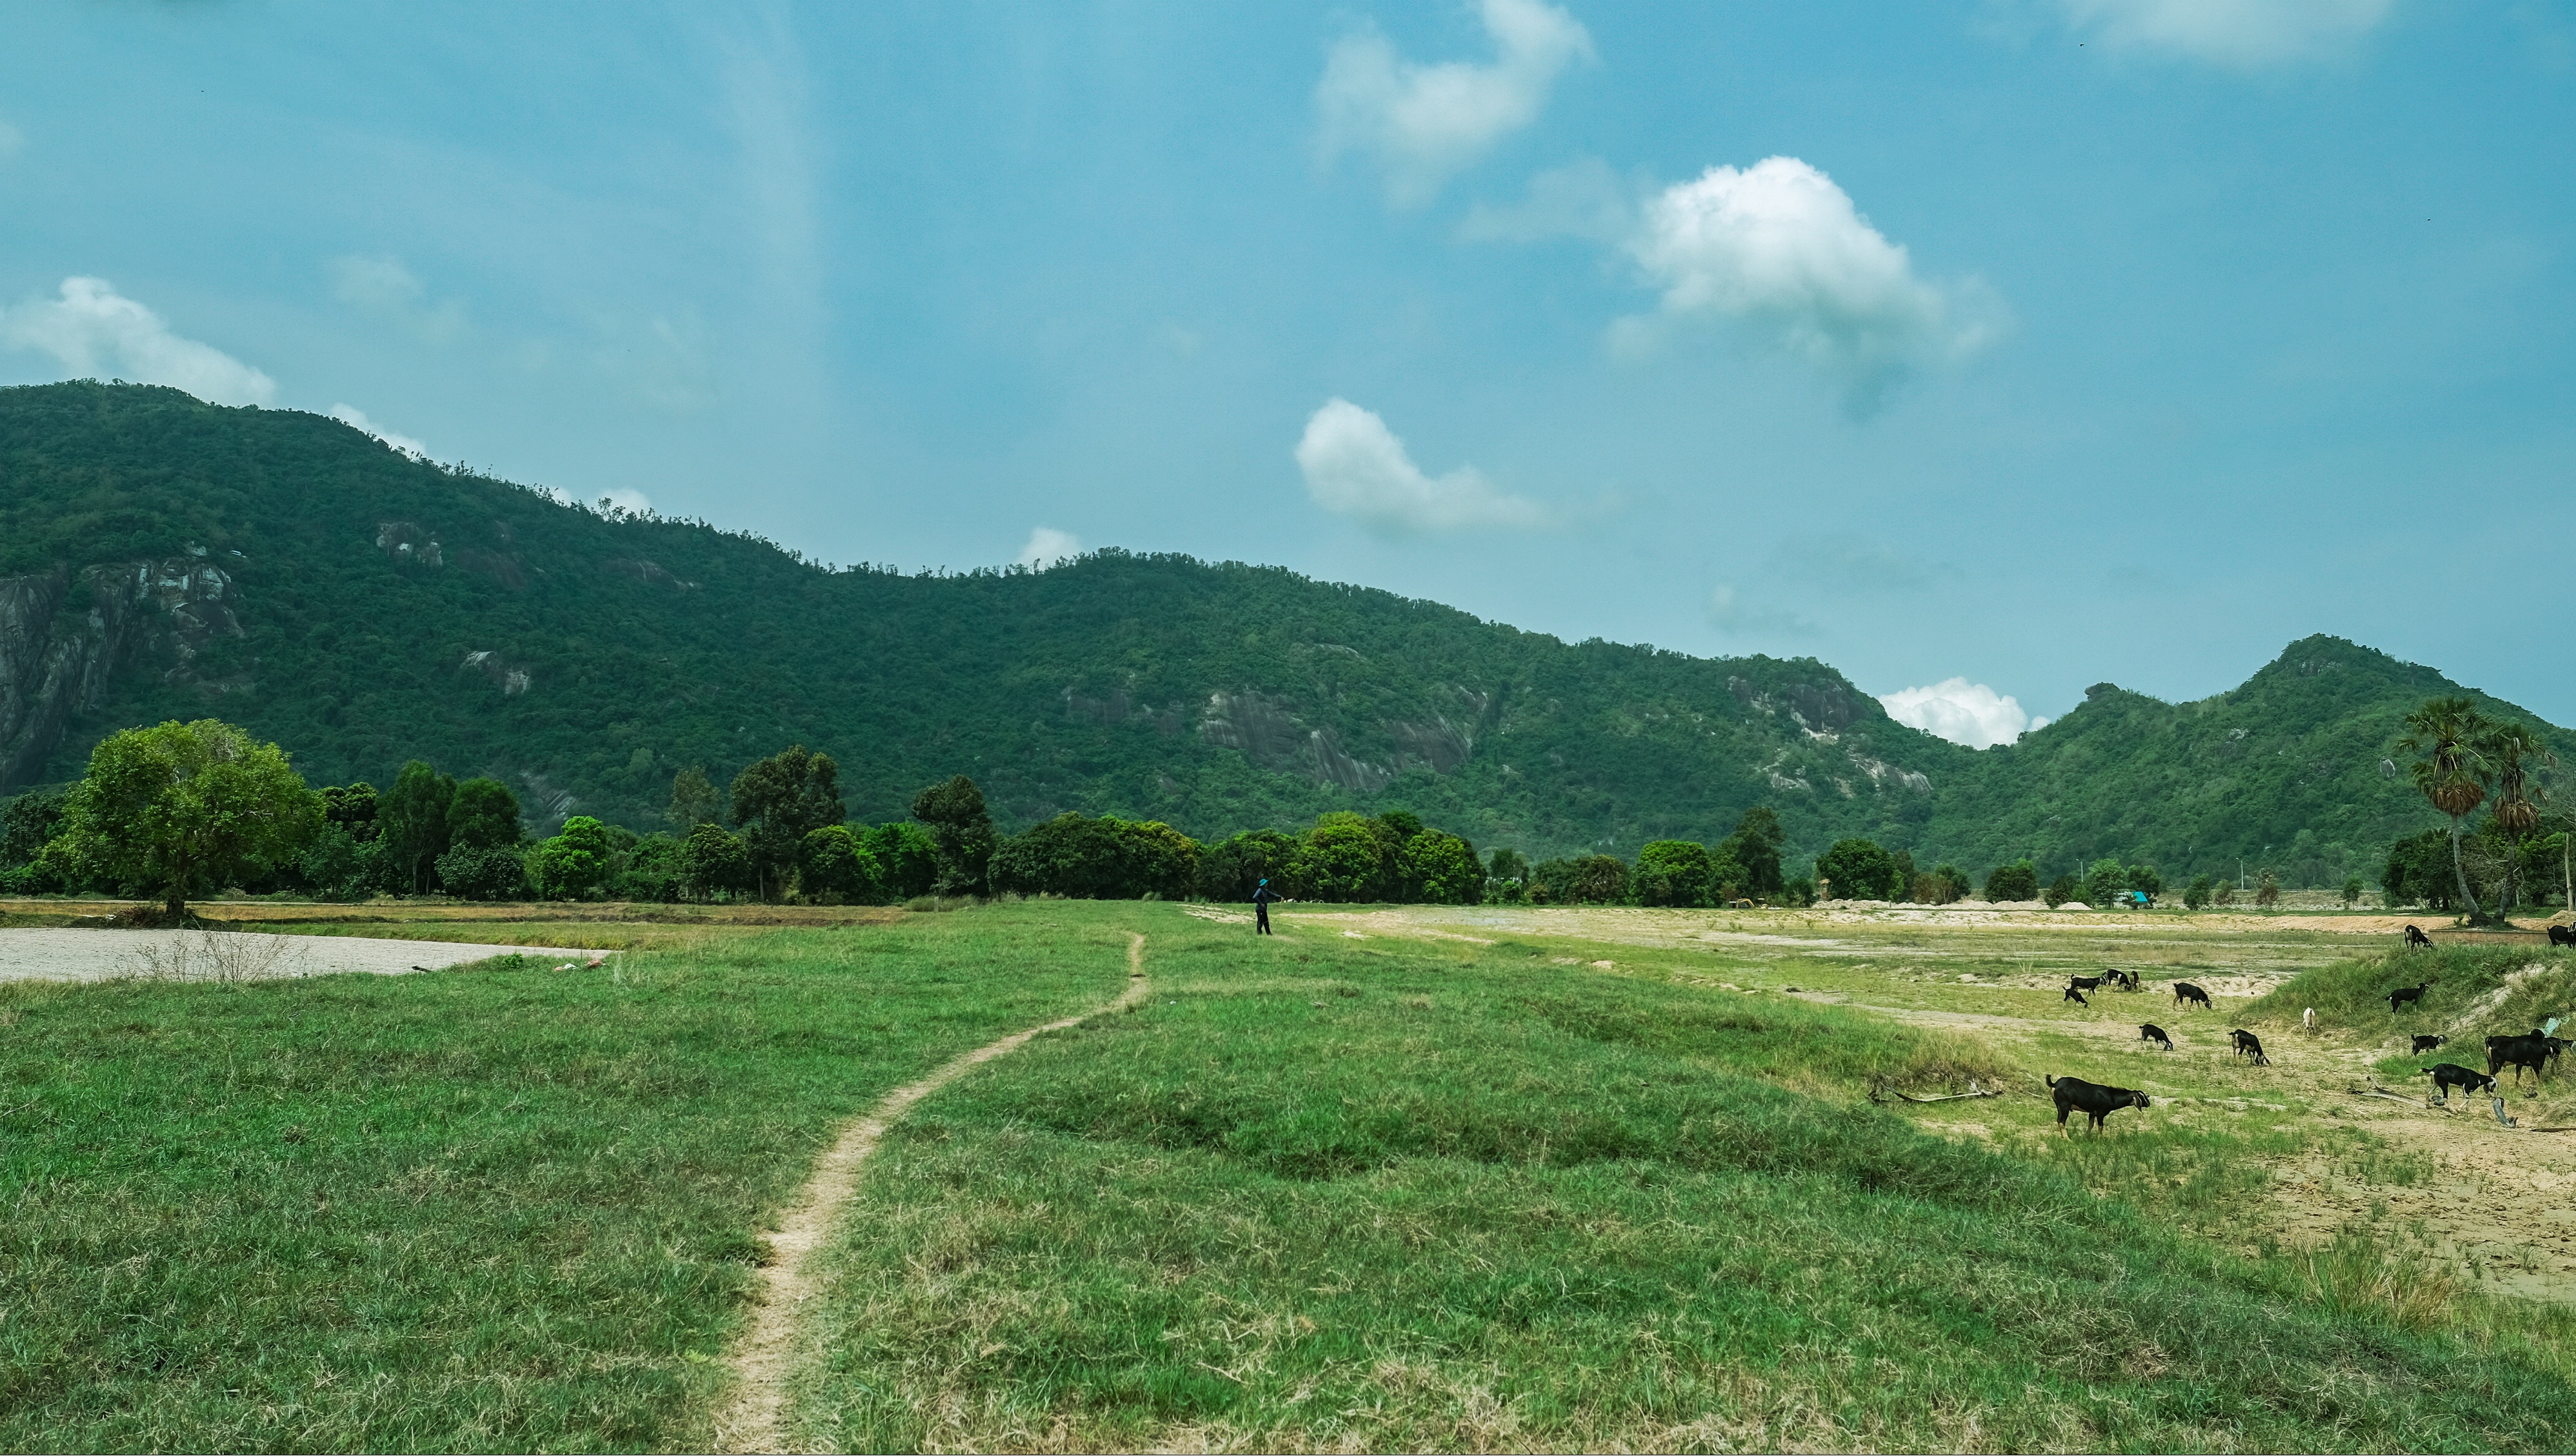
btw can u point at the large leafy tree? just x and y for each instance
(834, 867)
(777, 802)
(483, 814)
(2449, 737)
(1233, 868)
(1857, 869)
(1755, 848)
(1674, 872)
(961, 830)
(184, 809)
(1343, 857)
(411, 821)
(1439, 868)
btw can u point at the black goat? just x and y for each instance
(2092, 1099)
(2149, 1031)
(2448, 1075)
(2186, 991)
(2562, 935)
(2406, 996)
(2248, 1044)
(2076, 996)
(2415, 937)
(2127, 979)
(2518, 1052)
(2425, 1044)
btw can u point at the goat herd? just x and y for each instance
(2534, 1052)
(2096, 1101)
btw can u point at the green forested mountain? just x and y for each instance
(160, 557)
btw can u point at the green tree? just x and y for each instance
(2145, 880)
(693, 800)
(412, 821)
(28, 823)
(714, 861)
(2016, 881)
(1161, 860)
(2351, 891)
(907, 857)
(2104, 882)
(2060, 890)
(961, 831)
(352, 807)
(2449, 736)
(484, 814)
(483, 871)
(2267, 889)
(1234, 867)
(1674, 872)
(2515, 751)
(1442, 869)
(2196, 895)
(834, 868)
(1857, 869)
(776, 803)
(184, 809)
(573, 864)
(1755, 846)
(1507, 864)
(1342, 858)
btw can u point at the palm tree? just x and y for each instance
(2451, 736)
(2514, 748)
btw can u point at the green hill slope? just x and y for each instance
(160, 557)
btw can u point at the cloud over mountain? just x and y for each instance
(1424, 123)
(92, 331)
(1355, 466)
(1963, 712)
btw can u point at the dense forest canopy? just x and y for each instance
(161, 558)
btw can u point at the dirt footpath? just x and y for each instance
(232, 955)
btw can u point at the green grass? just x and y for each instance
(481, 1209)
(1334, 1193)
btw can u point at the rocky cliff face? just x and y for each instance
(65, 635)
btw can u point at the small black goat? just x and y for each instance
(2248, 1044)
(2415, 937)
(2186, 991)
(2085, 983)
(2406, 996)
(2128, 979)
(2448, 1075)
(2149, 1031)
(2425, 1044)
(2562, 935)
(2076, 996)
(2094, 1100)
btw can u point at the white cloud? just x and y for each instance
(1778, 246)
(382, 285)
(1731, 614)
(1049, 546)
(1425, 122)
(356, 419)
(1963, 712)
(633, 502)
(1355, 466)
(1583, 199)
(94, 332)
(2238, 33)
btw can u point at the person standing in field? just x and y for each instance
(1262, 896)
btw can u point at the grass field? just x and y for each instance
(494, 1208)
(1463, 1179)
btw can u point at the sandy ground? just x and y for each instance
(198, 955)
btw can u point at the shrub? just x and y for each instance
(2267, 890)
(2059, 891)
(2351, 891)
(2016, 881)
(2198, 893)
(1231, 870)
(907, 859)
(1439, 868)
(1341, 858)
(1591, 879)
(2105, 882)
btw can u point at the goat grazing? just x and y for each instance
(2149, 1031)
(2186, 991)
(2092, 1099)
(2248, 1044)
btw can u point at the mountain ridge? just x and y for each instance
(161, 557)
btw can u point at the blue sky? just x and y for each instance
(2032, 343)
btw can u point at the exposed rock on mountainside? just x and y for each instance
(64, 635)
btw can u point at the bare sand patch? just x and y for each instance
(233, 955)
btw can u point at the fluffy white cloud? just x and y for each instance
(1049, 546)
(1355, 466)
(94, 332)
(382, 285)
(2239, 33)
(1425, 122)
(356, 419)
(1963, 712)
(1780, 247)
(1731, 614)
(633, 502)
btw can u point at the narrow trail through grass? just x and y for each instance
(769, 1345)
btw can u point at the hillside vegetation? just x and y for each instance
(164, 558)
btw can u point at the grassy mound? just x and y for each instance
(1335, 1194)
(2473, 991)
